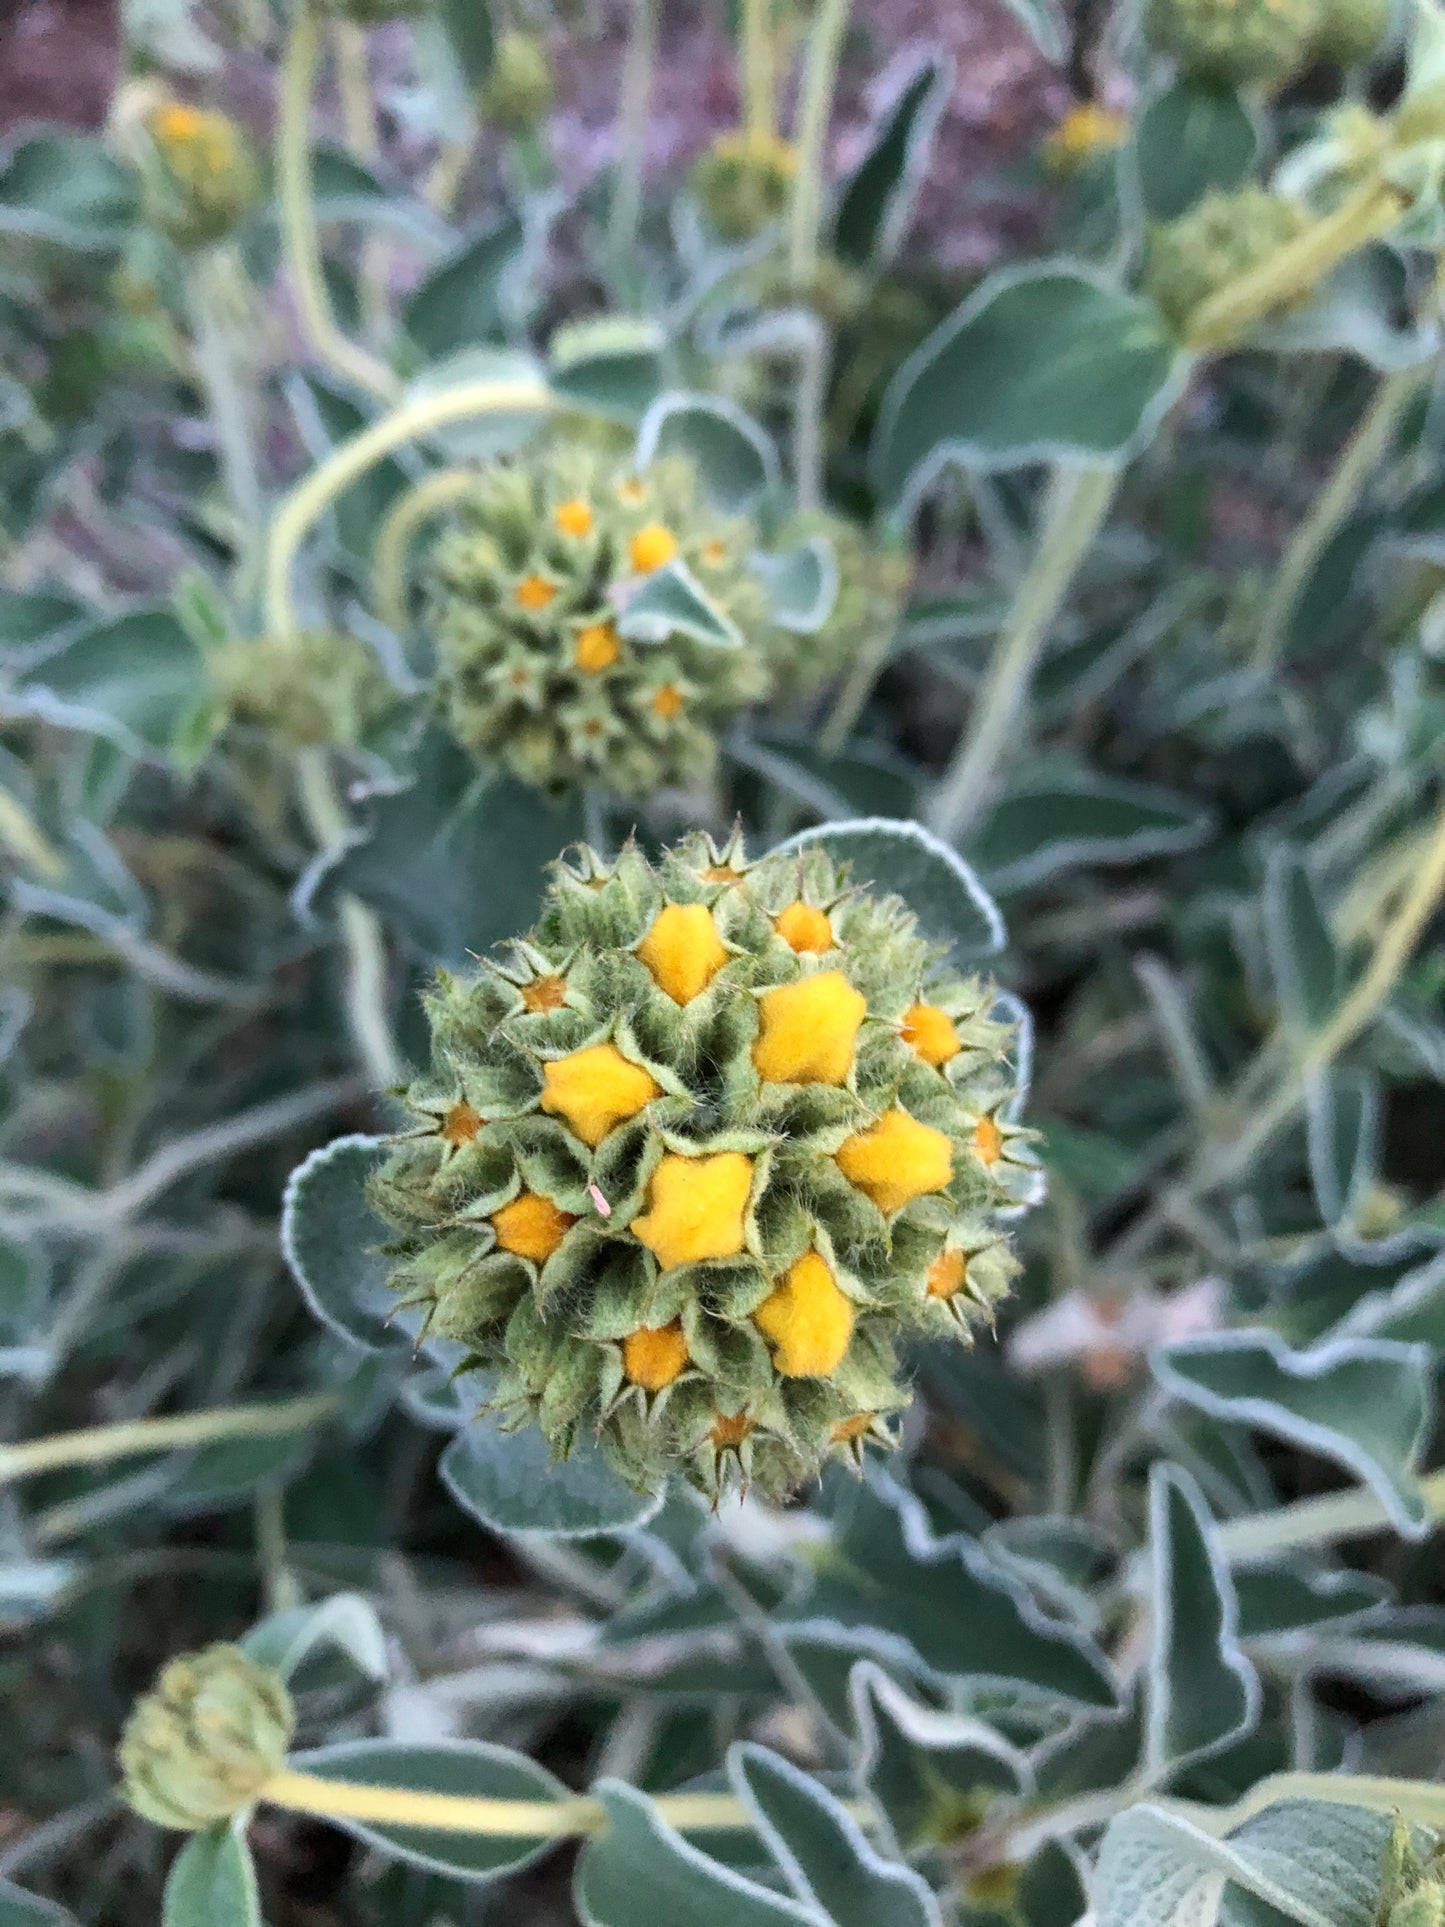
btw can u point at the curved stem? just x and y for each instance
(820, 78)
(311, 496)
(298, 216)
(632, 119)
(388, 556)
(99, 1444)
(759, 70)
(1361, 456)
(1077, 502)
(358, 112)
(210, 290)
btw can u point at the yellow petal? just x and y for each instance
(535, 592)
(597, 648)
(931, 1033)
(683, 950)
(987, 1141)
(896, 1159)
(808, 1030)
(531, 1226)
(654, 1355)
(805, 928)
(696, 1208)
(947, 1274)
(653, 547)
(594, 1089)
(574, 517)
(808, 1320)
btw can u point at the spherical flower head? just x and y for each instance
(530, 589)
(1350, 32)
(1235, 43)
(874, 579)
(697, 1153)
(201, 1745)
(744, 181)
(1412, 1886)
(1224, 237)
(318, 686)
(201, 177)
(518, 92)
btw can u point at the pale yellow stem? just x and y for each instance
(99, 1444)
(388, 557)
(759, 64)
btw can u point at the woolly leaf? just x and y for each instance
(941, 889)
(673, 602)
(1302, 957)
(735, 457)
(609, 365)
(468, 26)
(212, 1883)
(509, 1482)
(474, 1769)
(346, 1623)
(876, 202)
(1060, 820)
(802, 584)
(1191, 138)
(66, 189)
(20, 1909)
(1342, 1120)
(133, 678)
(332, 1242)
(463, 300)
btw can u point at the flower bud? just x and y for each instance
(1214, 244)
(201, 177)
(693, 1158)
(519, 90)
(1085, 132)
(1412, 1890)
(318, 686)
(202, 1743)
(744, 182)
(1236, 43)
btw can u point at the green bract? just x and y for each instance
(1238, 43)
(202, 1743)
(693, 1157)
(318, 686)
(743, 182)
(1226, 235)
(531, 593)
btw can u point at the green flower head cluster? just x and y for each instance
(696, 1153)
(873, 583)
(1350, 31)
(529, 591)
(1224, 237)
(743, 182)
(1412, 1889)
(200, 175)
(202, 1743)
(318, 686)
(1237, 43)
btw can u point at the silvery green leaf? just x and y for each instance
(942, 890)
(1316, 1864)
(331, 1239)
(862, 780)
(609, 364)
(346, 1623)
(462, 301)
(1059, 820)
(1342, 1123)
(1192, 137)
(1365, 1403)
(474, 1769)
(1397, 1655)
(1303, 960)
(497, 432)
(1202, 1692)
(94, 891)
(133, 678)
(1277, 1599)
(168, 31)
(876, 202)
(1046, 23)
(671, 602)
(20, 1909)
(1425, 55)
(1040, 363)
(1411, 1310)
(510, 1482)
(824, 1854)
(802, 584)
(36, 623)
(638, 1861)
(469, 27)
(212, 1882)
(1361, 309)
(66, 189)
(30, 1589)
(735, 455)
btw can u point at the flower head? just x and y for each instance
(1235, 43)
(202, 1743)
(201, 177)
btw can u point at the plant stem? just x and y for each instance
(1361, 456)
(311, 496)
(1316, 1522)
(1078, 499)
(298, 216)
(23, 837)
(759, 70)
(634, 106)
(99, 1444)
(211, 289)
(1295, 268)
(353, 75)
(388, 556)
(366, 992)
(815, 108)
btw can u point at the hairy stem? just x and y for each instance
(394, 538)
(1078, 500)
(634, 106)
(759, 75)
(1361, 456)
(211, 292)
(1317, 1522)
(358, 113)
(298, 217)
(100, 1444)
(815, 109)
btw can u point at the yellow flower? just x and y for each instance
(653, 547)
(683, 950)
(931, 1033)
(696, 1208)
(544, 994)
(535, 592)
(808, 1320)
(574, 517)
(809, 1030)
(987, 1141)
(805, 928)
(597, 647)
(653, 1356)
(895, 1160)
(594, 1089)
(460, 1125)
(667, 703)
(176, 124)
(947, 1274)
(531, 1226)
(1085, 130)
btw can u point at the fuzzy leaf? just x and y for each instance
(473, 1768)
(508, 1482)
(331, 1239)
(673, 602)
(468, 26)
(1302, 957)
(133, 678)
(1342, 1121)
(1202, 1692)
(1039, 364)
(876, 202)
(595, 366)
(734, 455)
(1061, 820)
(802, 584)
(212, 1883)
(823, 1852)
(1364, 1403)
(1191, 138)
(463, 300)
(941, 889)
(639, 1862)
(346, 1622)
(20, 1909)
(66, 189)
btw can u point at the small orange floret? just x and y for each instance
(653, 1356)
(574, 517)
(808, 1030)
(714, 553)
(632, 493)
(808, 1319)
(729, 1429)
(545, 993)
(987, 1141)
(720, 873)
(848, 1429)
(931, 1033)
(895, 1160)
(667, 703)
(805, 928)
(947, 1274)
(597, 647)
(683, 950)
(653, 547)
(531, 1226)
(460, 1125)
(595, 1089)
(177, 122)
(535, 592)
